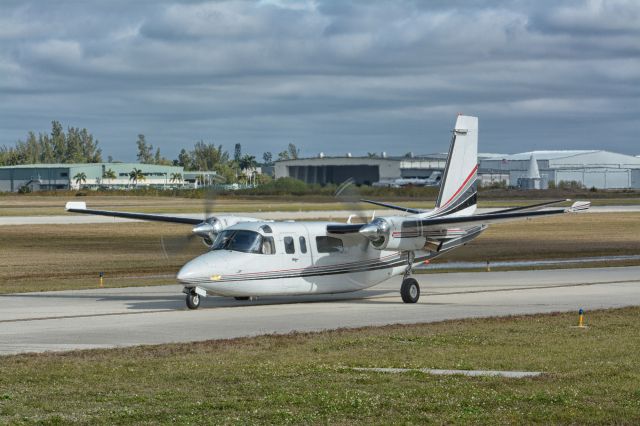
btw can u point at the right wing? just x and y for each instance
(430, 224)
(421, 226)
(395, 207)
(532, 207)
(81, 207)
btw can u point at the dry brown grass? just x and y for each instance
(568, 236)
(54, 257)
(47, 257)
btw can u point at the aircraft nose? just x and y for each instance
(193, 270)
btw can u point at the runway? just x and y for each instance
(104, 318)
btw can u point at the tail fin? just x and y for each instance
(458, 189)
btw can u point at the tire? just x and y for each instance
(193, 300)
(242, 297)
(410, 291)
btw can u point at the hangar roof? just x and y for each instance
(549, 155)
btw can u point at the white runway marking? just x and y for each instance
(471, 373)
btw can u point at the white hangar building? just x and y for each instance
(599, 169)
(365, 170)
(593, 168)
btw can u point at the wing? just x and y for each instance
(432, 224)
(393, 206)
(531, 207)
(81, 207)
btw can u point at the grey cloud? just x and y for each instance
(369, 75)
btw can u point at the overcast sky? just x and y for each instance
(332, 76)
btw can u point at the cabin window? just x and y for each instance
(329, 245)
(289, 247)
(303, 245)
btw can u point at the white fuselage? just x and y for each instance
(304, 262)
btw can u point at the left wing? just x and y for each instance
(81, 207)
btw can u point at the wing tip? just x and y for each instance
(579, 206)
(75, 205)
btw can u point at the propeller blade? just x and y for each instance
(179, 246)
(347, 193)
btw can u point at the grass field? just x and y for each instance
(591, 377)
(33, 205)
(45, 257)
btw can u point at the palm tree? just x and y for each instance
(109, 174)
(80, 178)
(248, 162)
(176, 177)
(136, 176)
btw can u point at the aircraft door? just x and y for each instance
(295, 249)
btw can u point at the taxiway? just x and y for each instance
(104, 318)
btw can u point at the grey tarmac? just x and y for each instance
(104, 318)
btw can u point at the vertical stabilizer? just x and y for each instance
(458, 189)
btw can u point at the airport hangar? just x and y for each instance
(592, 168)
(49, 177)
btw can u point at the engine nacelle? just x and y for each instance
(402, 234)
(209, 229)
(395, 233)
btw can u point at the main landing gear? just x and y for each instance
(410, 289)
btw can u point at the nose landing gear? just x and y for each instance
(193, 300)
(194, 295)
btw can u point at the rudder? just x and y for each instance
(458, 189)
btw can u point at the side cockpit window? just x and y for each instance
(244, 241)
(268, 247)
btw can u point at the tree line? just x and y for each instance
(79, 146)
(75, 146)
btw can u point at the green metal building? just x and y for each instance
(46, 177)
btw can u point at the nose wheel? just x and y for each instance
(410, 290)
(193, 300)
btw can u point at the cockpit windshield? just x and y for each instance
(243, 241)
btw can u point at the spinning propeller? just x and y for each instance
(375, 230)
(207, 230)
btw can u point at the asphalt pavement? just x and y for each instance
(104, 318)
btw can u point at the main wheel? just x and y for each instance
(242, 298)
(410, 290)
(193, 300)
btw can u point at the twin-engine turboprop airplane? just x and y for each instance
(252, 257)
